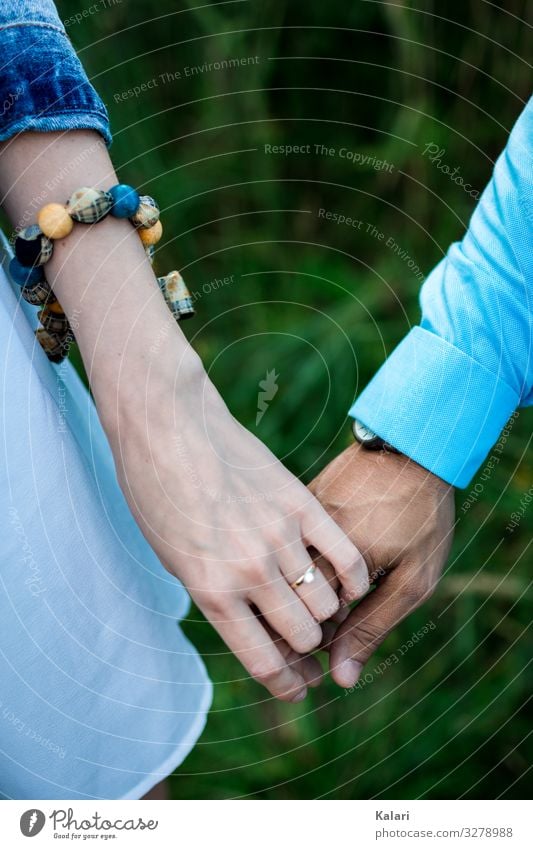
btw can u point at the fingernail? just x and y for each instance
(299, 697)
(348, 672)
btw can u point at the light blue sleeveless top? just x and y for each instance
(101, 694)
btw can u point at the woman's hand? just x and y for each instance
(230, 522)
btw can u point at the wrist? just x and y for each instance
(390, 466)
(133, 350)
(151, 386)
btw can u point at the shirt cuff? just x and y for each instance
(437, 405)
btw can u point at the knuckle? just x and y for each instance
(210, 601)
(308, 639)
(352, 552)
(258, 572)
(418, 590)
(347, 551)
(312, 517)
(349, 564)
(413, 598)
(278, 535)
(328, 610)
(264, 671)
(425, 591)
(217, 609)
(357, 580)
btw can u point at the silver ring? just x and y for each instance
(307, 578)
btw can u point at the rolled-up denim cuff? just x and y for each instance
(437, 405)
(57, 122)
(43, 86)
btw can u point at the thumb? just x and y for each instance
(367, 626)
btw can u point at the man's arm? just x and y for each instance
(446, 392)
(441, 398)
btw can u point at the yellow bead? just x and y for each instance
(152, 235)
(54, 221)
(56, 308)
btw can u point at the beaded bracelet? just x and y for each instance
(34, 247)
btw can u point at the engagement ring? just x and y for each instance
(307, 578)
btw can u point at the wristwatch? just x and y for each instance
(370, 440)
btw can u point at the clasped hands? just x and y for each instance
(400, 517)
(238, 529)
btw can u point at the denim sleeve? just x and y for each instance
(446, 392)
(43, 86)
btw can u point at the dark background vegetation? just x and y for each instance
(323, 304)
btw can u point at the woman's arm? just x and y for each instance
(99, 274)
(219, 509)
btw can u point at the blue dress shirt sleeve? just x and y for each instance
(43, 86)
(446, 392)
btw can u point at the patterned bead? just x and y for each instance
(53, 321)
(54, 221)
(147, 213)
(176, 294)
(55, 345)
(38, 295)
(150, 253)
(151, 235)
(125, 200)
(88, 205)
(23, 275)
(32, 247)
(56, 308)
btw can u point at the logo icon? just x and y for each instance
(32, 822)
(269, 387)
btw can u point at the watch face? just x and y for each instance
(363, 434)
(371, 440)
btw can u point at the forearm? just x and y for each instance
(99, 273)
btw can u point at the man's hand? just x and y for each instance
(400, 517)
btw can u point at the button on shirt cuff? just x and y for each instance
(437, 405)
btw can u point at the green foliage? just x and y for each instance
(322, 303)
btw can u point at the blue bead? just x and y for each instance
(125, 201)
(23, 275)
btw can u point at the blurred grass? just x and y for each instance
(323, 304)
